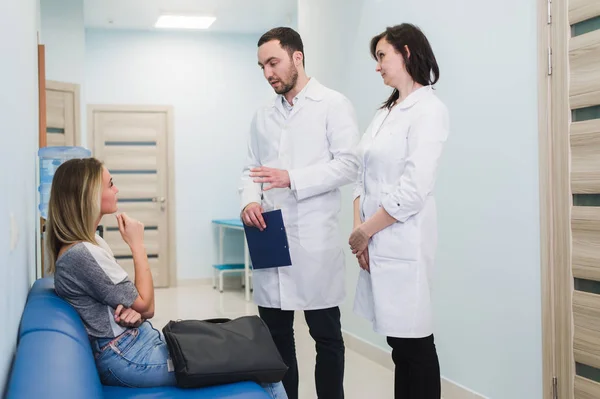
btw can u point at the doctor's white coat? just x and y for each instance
(400, 152)
(316, 144)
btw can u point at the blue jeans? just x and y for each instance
(139, 358)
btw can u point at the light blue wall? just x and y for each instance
(18, 144)
(215, 85)
(487, 282)
(63, 34)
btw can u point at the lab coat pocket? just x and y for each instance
(395, 294)
(317, 227)
(398, 241)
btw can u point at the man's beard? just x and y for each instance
(286, 87)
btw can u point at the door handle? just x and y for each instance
(160, 200)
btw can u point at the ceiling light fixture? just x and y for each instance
(184, 22)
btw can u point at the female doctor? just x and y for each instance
(395, 230)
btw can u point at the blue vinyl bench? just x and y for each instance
(54, 359)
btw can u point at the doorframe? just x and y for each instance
(43, 86)
(69, 88)
(555, 199)
(170, 140)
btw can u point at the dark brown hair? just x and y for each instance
(421, 65)
(289, 40)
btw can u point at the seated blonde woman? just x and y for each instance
(115, 311)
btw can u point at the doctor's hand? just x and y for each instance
(277, 177)
(252, 216)
(359, 240)
(363, 260)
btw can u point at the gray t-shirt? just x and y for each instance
(90, 279)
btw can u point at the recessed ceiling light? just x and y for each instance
(184, 22)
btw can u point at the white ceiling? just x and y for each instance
(235, 16)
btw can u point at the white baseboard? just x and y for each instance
(368, 350)
(450, 389)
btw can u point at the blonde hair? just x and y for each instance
(74, 205)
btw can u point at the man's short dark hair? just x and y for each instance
(289, 39)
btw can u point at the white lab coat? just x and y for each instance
(316, 144)
(400, 152)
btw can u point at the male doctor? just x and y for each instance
(300, 151)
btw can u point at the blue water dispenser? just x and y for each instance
(50, 159)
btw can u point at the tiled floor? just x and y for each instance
(363, 379)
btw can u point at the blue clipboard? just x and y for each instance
(269, 248)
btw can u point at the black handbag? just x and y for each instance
(222, 351)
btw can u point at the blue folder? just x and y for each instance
(269, 248)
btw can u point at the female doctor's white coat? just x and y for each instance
(400, 152)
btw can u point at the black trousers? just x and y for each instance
(417, 374)
(325, 328)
